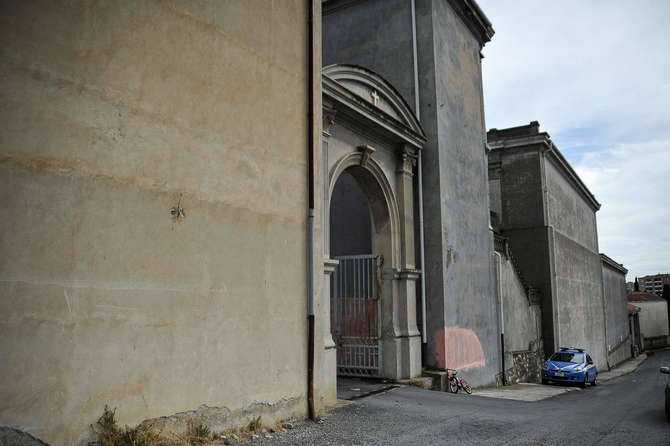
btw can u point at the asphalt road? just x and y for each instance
(623, 411)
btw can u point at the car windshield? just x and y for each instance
(568, 357)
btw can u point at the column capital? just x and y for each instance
(401, 274)
(328, 116)
(409, 274)
(408, 159)
(329, 265)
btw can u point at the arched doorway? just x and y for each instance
(370, 145)
(360, 240)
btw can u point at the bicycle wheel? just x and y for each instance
(453, 386)
(466, 387)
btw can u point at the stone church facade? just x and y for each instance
(430, 51)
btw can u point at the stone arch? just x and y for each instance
(382, 202)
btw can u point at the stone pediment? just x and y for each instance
(376, 92)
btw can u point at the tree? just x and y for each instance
(636, 287)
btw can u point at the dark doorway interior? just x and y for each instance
(350, 219)
(356, 281)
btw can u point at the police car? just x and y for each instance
(570, 365)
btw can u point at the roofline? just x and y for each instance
(613, 264)
(543, 139)
(468, 10)
(652, 275)
(651, 297)
(474, 18)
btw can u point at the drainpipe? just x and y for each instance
(310, 214)
(424, 336)
(558, 302)
(502, 317)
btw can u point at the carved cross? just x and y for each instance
(375, 97)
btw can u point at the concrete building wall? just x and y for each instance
(523, 328)
(521, 182)
(461, 307)
(518, 174)
(372, 34)
(616, 314)
(114, 113)
(653, 318)
(579, 296)
(567, 211)
(578, 271)
(548, 215)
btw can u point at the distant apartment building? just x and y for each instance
(654, 284)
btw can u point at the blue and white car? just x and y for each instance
(570, 365)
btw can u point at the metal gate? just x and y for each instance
(356, 315)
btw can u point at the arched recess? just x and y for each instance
(382, 202)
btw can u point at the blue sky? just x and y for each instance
(596, 75)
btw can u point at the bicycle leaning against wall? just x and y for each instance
(456, 382)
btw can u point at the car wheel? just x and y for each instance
(595, 380)
(544, 381)
(586, 379)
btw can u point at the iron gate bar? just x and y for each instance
(356, 315)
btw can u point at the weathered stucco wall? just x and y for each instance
(517, 173)
(578, 271)
(462, 310)
(653, 319)
(549, 217)
(616, 314)
(579, 296)
(523, 328)
(373, 34)
(115, 112)
(567, 211)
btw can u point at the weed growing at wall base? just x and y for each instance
(107, 432)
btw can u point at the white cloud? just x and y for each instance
(595, 75)
(632, 183)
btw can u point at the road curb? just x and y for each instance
(624, 368)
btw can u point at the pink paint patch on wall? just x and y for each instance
(458, 348)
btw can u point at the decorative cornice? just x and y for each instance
(570, 173)
(543, 142)
(475, 19)
(468, 10)
(607, 260)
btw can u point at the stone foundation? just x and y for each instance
(527, 367)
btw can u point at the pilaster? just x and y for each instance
(405, 189)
